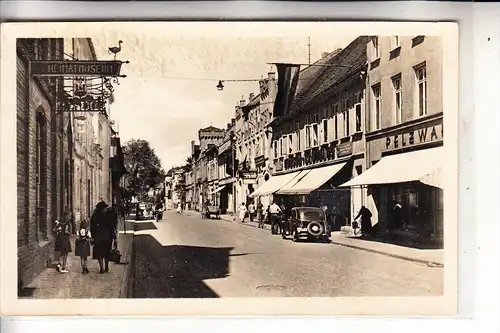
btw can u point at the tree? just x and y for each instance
(144, 167)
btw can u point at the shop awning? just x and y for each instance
(218, 189)
(311, 180)
(274, 184)
(421, 165)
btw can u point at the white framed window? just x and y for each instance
(297, 141)
(347, 126)
(314, 132)
(308, 136)
(275, 144)
(283, 145)
(290, 144)
(336, 125)
(396, 42)
(357, 108)
(377, 106)
(421, 78)
(398, 98)
(325, 130)
(375, 48)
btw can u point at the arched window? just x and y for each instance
(41, 174)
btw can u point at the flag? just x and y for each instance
(288, 77)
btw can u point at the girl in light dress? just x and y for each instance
(82, 246)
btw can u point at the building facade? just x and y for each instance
(319, 143)
(43, 158)
(405, 127)
(253, 140)
(227, 171)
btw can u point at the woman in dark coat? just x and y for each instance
(366, 220)
(103, 233)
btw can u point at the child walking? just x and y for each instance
(62, 243)
(82, 246)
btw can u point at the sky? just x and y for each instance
(152, 104)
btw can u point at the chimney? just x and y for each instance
(192, 147)
(242, 101)
(251, 96)
(233, 121)
(271, 76)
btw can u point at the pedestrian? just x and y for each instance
(103, 231)
(179, 208)
(260, 214)
(251, 211)
(274, 211)
(242, 212)
(63, 243)
(82, 245)
(366, 222)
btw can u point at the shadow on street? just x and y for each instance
(177, 271)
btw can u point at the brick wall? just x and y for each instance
(38, 206)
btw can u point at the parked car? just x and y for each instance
(308, 222)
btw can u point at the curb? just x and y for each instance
(422, 261)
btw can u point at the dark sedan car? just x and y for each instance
(308, 222)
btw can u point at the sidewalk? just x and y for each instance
(430, 257)
(115, 284)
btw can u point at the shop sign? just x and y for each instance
(249, 174)
(68, 68)
(344, 149)
(424, 135)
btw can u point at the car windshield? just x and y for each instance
(313, 215)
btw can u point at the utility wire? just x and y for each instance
(194, 78)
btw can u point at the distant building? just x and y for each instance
(227, 170)
(252, 139)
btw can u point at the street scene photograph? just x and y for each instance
(305, 162)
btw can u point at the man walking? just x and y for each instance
(251, 211)
(275, 210)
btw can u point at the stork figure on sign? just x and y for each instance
(115, 49)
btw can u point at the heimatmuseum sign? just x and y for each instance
(75, 68)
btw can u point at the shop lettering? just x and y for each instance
(75, 68)
(422, 135)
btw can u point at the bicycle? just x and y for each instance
(356, 227)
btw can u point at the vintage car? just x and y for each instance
(307, 222)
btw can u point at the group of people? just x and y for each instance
(100, 236)
(256, 211)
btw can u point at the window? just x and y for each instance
(315, 135)
(395, 42)
(421, 76)
(325, 130)
(398, 98)
(298, 140)
(345, 102)
(275, 144)
(336, 126)
(308, 136)
(346, 123)
(358, 117)
(282, 144)
(375, 48)
(377, 106)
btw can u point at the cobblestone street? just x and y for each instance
(189, 257)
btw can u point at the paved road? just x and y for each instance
(189, 257)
